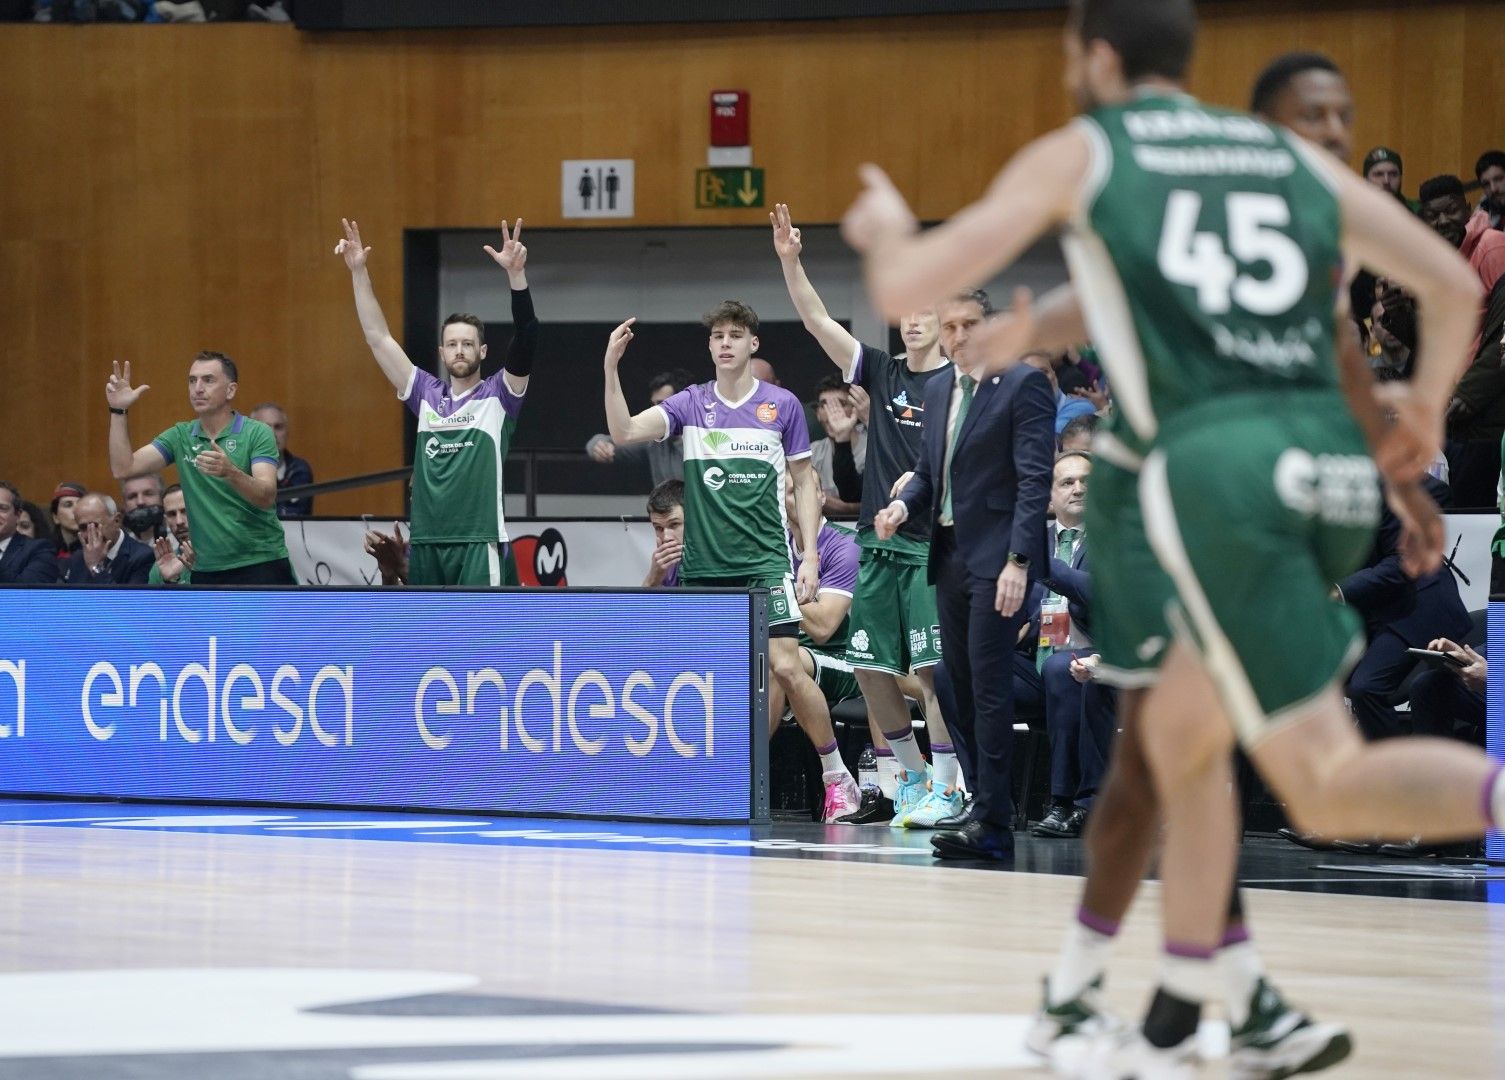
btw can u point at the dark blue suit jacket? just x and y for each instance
(1004, 461)
(28, 561)
(132, 566)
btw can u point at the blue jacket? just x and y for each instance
(1001, 480)
(28, 562)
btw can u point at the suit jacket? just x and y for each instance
(28, 561)
(1001, 481)
(1417, 611)
(132, 566)
(1072, 580)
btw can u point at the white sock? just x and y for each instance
(888, 776)
(907, 754)
(1190, 978)
(1240, 968)
(943, 758)
(1084, 956)
(832, 767)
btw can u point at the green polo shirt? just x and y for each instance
(226, 531)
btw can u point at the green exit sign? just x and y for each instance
(728, 189)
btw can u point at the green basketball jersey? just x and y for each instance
(1206, 257)
(457, 464)
(736, 471)
(227, 531)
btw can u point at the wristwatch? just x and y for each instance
(1018, 559)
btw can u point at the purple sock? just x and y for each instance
(1186, 951)
(1096, 923)
(1236, 934)
(827, 749)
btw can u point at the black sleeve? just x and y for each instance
(844, 472)
(520, 352)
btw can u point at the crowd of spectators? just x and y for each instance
(148, 11)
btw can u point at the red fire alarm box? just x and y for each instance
(729, 123)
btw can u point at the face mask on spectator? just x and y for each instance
(140, 519)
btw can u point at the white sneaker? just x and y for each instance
(843, 797)
(1123, 1055)
(934, 808)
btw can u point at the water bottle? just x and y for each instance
(867, 769)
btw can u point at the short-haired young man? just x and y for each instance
(896, 628)
(23, 560)
(745, 443)
(465, 424)
(231, 486)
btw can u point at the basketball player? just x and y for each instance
(893, 607)
(745, 442)
(1214, 313)
(459, 535)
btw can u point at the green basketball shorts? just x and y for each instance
(1130, 590)
(895, 627)
(473, 565)
(834, 676)
(1255, 506)
(783, 607)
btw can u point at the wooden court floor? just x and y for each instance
(143, 954)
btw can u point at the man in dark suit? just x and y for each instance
(1079, 712)
(106, 554)
(984, 473)
(22, 559)
(1398, 614)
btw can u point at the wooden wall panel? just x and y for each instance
(170, 188)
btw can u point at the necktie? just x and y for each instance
(962, 408)
(1065, 538)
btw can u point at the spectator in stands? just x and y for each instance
(64, 498)
(1383, 169)
(665, 460)
(23, 560)
(141, 501)
(1449, 701)
(106, 554)
(292, 471)
(1068, 406)
(1476, 415)
(666, 512)
(1490, 172)
(1079, 712)
(1398, 614)
(33, 524)
(174, 553)
(845, 436)
(1077, 435)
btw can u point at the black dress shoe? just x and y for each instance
(975, 840)
(959, 819)
(875, 808)
(1059, 822)
(1055, 823)
(1358, 847)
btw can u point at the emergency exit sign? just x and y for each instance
(728, 189)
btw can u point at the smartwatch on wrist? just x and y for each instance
(1019, 560)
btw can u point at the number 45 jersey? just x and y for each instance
(1206, 257)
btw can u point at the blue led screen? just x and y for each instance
(630, 704)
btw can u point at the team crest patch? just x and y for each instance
(768, 412)
(230, 445)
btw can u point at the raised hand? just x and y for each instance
(879, 214)
(169, 565)
(617, 344)
(350, 247)
(1096, 393)
(94, 544)
(840, 422)
(513, 256)
(862, 404)
(786, 238)
(118, 390)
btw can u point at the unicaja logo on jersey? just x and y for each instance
(714, 478)
(717, 440)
